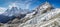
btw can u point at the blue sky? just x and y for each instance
(30, 4)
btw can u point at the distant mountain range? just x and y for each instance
(25, 14)
(44, 8)
(12, 13)
(15, 11)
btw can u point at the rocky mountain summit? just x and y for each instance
(43, 16)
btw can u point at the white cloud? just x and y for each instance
(13, 5)
(2, 10)
(24, 5)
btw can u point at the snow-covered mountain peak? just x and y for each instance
(44, 7)
(15, 11)
(13, 5)
(47, 3)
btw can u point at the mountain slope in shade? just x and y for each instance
(14, 11)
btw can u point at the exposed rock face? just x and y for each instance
(43, 16)
(27, 17)
(50, 19)
(44, 8)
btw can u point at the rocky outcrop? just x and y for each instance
(45, 7)
(44, 20)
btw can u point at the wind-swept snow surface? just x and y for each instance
(44, 19)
